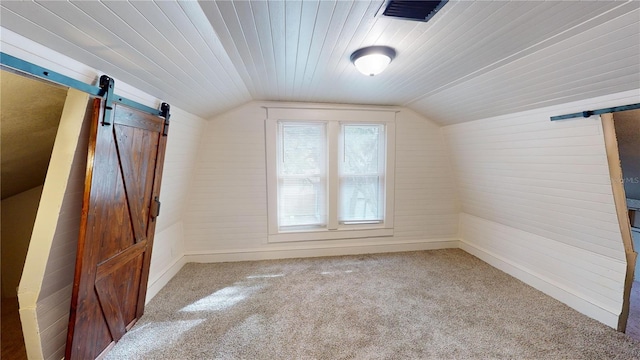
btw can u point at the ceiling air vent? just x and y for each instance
(413, 10)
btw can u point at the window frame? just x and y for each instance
(334, 119)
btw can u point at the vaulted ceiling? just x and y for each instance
(472, 60)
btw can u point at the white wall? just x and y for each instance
(167, 259)
(47, 319)
(227, 214)
(537, 202)
(18, 215)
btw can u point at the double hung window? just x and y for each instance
(329, 174)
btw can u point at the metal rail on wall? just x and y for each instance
(589, 113)
(105, 90)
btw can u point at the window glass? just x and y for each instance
(301, 175)
(362, 174)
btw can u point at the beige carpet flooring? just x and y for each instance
(443, 304)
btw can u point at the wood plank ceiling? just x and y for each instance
(472, 60)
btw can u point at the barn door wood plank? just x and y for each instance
(110, 308)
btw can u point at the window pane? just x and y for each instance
(360, 198)
(301, 202)
(301, 175)
(361, 149)
(302, 149)
(362, 174)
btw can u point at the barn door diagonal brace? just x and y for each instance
(14, 63)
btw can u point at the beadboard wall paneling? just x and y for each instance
(426, 197)
(62, 256)
(53, 318)
(179, 162)
(228, 202)
(167, 258)
(536, 194)
(227, 212)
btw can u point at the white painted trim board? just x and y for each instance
(289, 252)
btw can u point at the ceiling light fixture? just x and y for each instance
(372, 60)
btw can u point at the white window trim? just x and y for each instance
(333, 118)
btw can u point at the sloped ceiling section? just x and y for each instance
(472, 60)
(166, 48)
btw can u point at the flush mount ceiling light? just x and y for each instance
(372, 60)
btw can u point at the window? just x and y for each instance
(362, 174)
(329, 173)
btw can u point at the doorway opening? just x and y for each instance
(622, 140)
(29, 121)
(627, 127)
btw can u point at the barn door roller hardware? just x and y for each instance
(106, 84)
(164, 109)
(105, 90)
(589, 113)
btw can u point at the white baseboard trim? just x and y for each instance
(547, 286)
(316, 250)
(155, 285)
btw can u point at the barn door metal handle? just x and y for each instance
(155, 208)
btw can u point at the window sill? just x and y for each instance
(328, 235)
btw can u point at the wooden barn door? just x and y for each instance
(120, 205)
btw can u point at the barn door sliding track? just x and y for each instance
(105, 90)
(589, 113)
